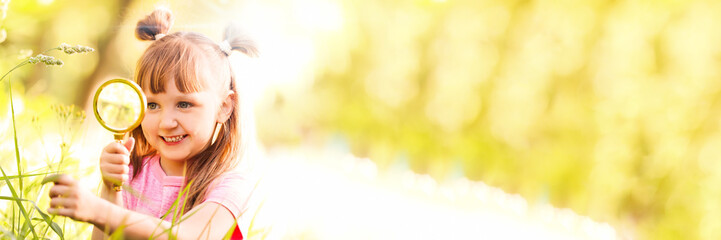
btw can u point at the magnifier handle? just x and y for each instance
(119, 139)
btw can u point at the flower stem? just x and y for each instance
(17, 66)
(25, 62)
(15, 134)
(7, 181)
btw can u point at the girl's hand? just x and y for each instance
(114, 162)
(68, 199)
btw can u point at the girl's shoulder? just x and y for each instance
(230, 178)
(232, 190)
(234, 182)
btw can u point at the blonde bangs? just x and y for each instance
(158, 65)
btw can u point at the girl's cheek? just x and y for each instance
(146, 134)
(149, 118)
(147, 123)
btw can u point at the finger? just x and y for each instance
(115, 169)
(115, 147)
(65, 179)
(62, 203)
(58, 190)
(50, 178)
(116, 158)
(129, 144)
(62, 212)
(62, 179)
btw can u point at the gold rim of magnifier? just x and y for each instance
(135, 87)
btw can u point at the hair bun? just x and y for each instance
(240, 41)
(157, 22)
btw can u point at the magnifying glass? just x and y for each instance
(119, 106)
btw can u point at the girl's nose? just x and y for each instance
(168, 120)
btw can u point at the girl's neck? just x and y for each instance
(172, 168)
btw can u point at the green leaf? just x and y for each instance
(56, 228)
(47, 219)
(22, 176)
(12, 189)
(25, 229)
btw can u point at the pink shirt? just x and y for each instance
(156, 192)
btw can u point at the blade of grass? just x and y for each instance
(24, 229)
(208, 226)
(229, 233)
(15, 138)
(16, 66)
(51, 223)
(182, 208)
(13, 219)
(9, 184)
(119, 233)
(22, 176)
(174, 210)
(48, 220)
(37, 199)
(169, 230)
(252, 220)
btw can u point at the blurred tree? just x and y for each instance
(608, 108)
(107, 52)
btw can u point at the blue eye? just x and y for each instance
(184, 105)
(152, 105)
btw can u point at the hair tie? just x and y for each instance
(159, 36)
(225, 47)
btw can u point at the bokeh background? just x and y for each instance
(605, 110)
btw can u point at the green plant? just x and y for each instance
(31, 218)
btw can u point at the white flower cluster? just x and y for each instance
(74, 49)
(48, 60)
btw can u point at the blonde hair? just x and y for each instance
(187, 58)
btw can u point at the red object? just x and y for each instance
(237, 235)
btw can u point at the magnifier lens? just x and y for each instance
(119, 105)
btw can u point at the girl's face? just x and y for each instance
(179, 125)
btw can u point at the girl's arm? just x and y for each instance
(112, 196)
(114, 168)
(206, 221)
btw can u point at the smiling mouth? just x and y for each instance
(174, 139)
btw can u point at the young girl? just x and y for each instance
(188, 139)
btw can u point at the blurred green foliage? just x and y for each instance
(610, 108)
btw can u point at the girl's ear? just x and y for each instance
(226, 106)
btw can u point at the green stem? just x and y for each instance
(25, 62)
(17, 66)
(13, 219)
(15, 134)
(46, 51)
(17, 155)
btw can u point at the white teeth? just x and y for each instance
(173, 139)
